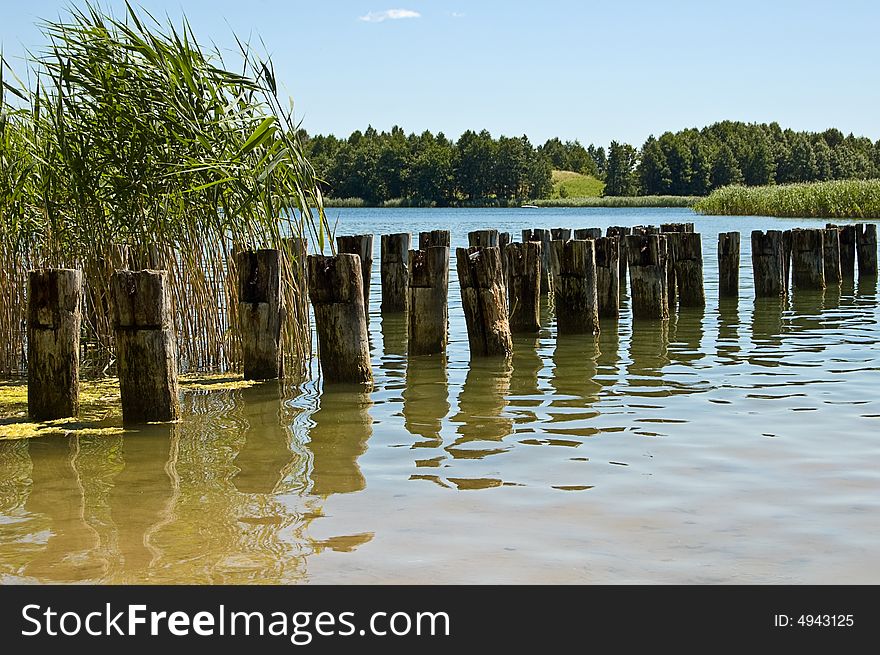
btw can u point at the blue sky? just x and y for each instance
(592, 71)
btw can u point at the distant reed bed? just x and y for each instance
(620, 201)
(836, 199)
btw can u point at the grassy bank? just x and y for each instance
(568, 184)
(838, 199)
(621, 201)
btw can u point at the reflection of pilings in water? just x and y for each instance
(265, 455)
(576, 389)
(867, 289)
(340, 428)
(57, 497)
(649, 354)
(524, 381)
(481, 406)
(426, 398)
(767, 331)
(608, 361)
(142, 496)
(393, 336)
(727, 344)
(686, 335)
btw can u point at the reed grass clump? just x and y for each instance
(135, 146)
(835, 199)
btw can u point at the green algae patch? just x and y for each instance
(100, 412)
(214, 382)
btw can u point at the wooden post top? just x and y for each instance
(142, 299)
(330, 278)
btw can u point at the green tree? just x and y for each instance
(725, 169)
(655, 178)
(620, 174)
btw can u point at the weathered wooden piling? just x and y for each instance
(483, 300)
(588, 233)
(434, 238)
(807, 259)
(259, 312)
(483, 238)
(524, 286)
(394, 266)
(541, 236)
(831, 255)
(787, 243)
(53, 324)
(557, 246)
(768, 266)
(428, 292)
(608, 276)
(146, 346)
(577, 307)
(728, 265)
(671, 250)
(687, 258)
(503, 240)
(560, 234)
(847, 238)
(362, 246)
(866, 245)
(643, 230)
(337, 295)
(676, 227)
(646, 256)
(621, 233)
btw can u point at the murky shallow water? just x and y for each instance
(735, 444)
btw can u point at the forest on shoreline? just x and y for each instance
(396, 169)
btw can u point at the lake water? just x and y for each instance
(736, 444)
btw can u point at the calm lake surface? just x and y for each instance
(736, 444)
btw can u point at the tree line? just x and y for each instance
(479, 169)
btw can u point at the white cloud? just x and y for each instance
(457, 14)
(389, 14)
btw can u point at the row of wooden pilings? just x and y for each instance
(501, 285)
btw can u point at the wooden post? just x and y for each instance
(621, 233)
(482, 300)
(588, 233)
(671, 250)
(503, 240)
(688, 263)
(434, 238)
(524, 286)
(807, 259)
(557, 247)
(676, 227)
(847, 239)
(259, 312)
(787, 242)
(484, 238)
(53, 324)
(646, 255)
(543, 237)
(577, 307)
(428, 308)
(767, 263)
(362, 246)
(560, 234)
(728, 265)
(146, 346)
(337, 295)
(394, 271)
(866, 245)
(831, 255)
(644, 230)
(608, 276)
